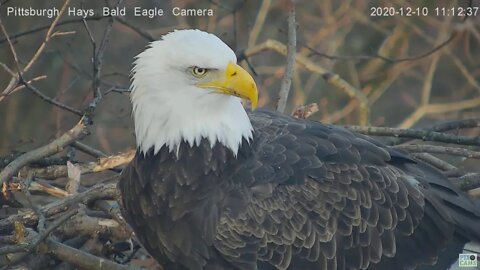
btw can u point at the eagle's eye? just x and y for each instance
(199, 72)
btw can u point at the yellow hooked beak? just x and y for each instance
(236, 82)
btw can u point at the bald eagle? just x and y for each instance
(215, 187)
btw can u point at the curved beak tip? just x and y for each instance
(236, 81)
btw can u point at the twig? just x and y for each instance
(80, 258)
(27, 247)
(37, 92)
(99, 191)
(434, 161)
(424, 135)
(78, 131)
(41, 217)
(10, 44)
(384, 58)
(88, 149)
(83, 224)
(437, 149)
(456, 124)
(19, 78)
(48, 189)
(10, 90)
(47, 38)
(291, 52)
(45, 27)
(448, 126)
(39, 186)
(468, 182)
(114, 212)
(98, 61)
(47, 161)
(103, 164)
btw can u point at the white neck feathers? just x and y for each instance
(160, 121)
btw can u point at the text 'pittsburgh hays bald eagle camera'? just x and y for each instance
(215, 187)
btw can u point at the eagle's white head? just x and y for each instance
(187, 86)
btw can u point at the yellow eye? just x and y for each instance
(199, 72)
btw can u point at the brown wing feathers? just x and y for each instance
(302, 195)
(355, 206)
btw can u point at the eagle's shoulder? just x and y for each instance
(323, 197)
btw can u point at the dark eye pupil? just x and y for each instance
(200, 70)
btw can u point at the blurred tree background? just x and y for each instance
(413, 70)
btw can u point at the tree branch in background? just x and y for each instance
(19, 79)
(421, 134)
(47, 38)
(44, 97)
(291, 52)
(34, 30)
(259, 22)
(332, 78)
(98, 61)
(10, 90)
(384, 58)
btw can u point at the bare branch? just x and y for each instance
(12, 89)
(384, 58)
(10, 44)
(15, 36)
(78, 131)
(28, 217)
(437, 149)
(291, 52)
(32, 243)
(420, 134)
(83, 224)
(47, 37)
(447, 126)
(103, 164)
(468, 181)
(435, 162)
(88, 149)
(37, 92)
(456, 125)
(19, 78)
(80, 258)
